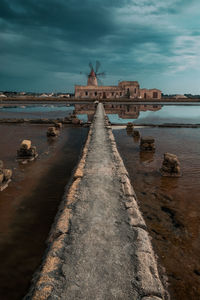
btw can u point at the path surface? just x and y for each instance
(99, 246)
(99, 255)
(98, 260)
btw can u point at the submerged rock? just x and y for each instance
(5, 176)
(26, 150)
(52, 132)
(58, 125)
(170, 166)
(25, 144)
(147, 144)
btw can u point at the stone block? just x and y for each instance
(170, 166)
(147, 139)
(1, 177)
(146, 273)
(7, 174)
(135, 216)
(147, 144)
(58, 125)
(25, 144)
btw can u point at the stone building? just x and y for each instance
(125, 89)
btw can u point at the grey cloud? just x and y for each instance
(45, 38)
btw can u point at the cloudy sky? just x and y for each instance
(45, 44)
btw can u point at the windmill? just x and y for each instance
(93, 76)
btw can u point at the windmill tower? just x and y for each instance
(93, 76)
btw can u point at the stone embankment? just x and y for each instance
(99, 247)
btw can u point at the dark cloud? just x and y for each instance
(45, 44)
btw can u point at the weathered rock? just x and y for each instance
(25, 144)
(7, 174)
(58, 125)
(52, 131)
(170, 166)
(1, 177)
(26, 150)
(147, 144)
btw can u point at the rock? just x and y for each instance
(1, 177)
(25, 144)
(52, 131)
(26, 150)
(147, 139)
(147, 144)
(58, 125)
(7, 174)
(129, 126)
(170, 166)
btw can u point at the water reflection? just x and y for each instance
(144, 113)
(118, 113)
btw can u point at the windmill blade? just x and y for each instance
(91, 66)
(97, 65)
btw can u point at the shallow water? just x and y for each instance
(154, 114)
(35, 111)
(28, 206)
(171, 206)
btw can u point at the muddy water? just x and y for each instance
(29, 204)
(171, 206)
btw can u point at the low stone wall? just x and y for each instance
(146, 279)
(46, 278)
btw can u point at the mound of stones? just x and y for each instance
(147, 144)
(52, 132)
(170, 166)
(26, 150)
(58, 125)
(5, 176)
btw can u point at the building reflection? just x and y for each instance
(124, 111)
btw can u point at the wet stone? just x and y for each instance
(170, 166)
(26, 150)
(147, 144)
(52, 131)
(58, 125)
(5, 176)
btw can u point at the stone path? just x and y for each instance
(99, 259)
(106, 252)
